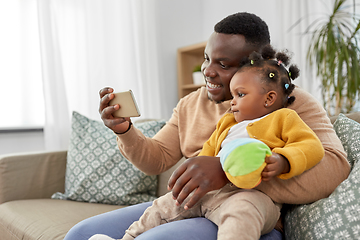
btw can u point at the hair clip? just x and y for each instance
(279, 62)
(251, 62)
(271, 75)
(286, 85)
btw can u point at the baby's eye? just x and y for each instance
(241, 94)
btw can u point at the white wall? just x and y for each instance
(179, 24)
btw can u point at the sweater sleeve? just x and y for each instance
(302, 147)
(209, 146)
(152, 155)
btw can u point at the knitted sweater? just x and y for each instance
(283, 131)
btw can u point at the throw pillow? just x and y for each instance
(348, 132)
(338, 216)
(97, 172)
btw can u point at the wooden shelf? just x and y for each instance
(187, 58)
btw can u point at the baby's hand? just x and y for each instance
(276, 165)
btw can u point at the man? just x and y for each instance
(193, 121)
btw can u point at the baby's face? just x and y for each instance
(249, 96)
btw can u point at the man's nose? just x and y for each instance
(209, 71)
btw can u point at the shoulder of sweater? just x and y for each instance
(300, 92)
(303, 99)
(200, 97)
(190, 96)
(196, 97)
(282, 112)
(281, 115)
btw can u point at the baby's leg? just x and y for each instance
(163, 210)
(245, 215)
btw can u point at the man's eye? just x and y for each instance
(222, 65)
(206, 58)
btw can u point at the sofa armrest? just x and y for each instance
(354, 116)
(31, 176)
(163, 178)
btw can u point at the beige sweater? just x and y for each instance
(195, 118)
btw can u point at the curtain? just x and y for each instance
(295, 19)
(87, 45)
(21, 102)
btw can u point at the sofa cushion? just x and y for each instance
(348, 132)
(97, 172)
(45, 219)
(338, 216)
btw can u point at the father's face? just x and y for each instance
(223, 54)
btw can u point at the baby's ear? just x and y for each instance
(271, 97)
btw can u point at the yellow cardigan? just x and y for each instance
(283, 131)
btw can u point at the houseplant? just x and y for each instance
(334, 50)
(197, 75)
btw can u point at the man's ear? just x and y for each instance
(271, 97)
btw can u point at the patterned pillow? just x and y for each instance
(348, 132)
(338, 216)
(97, 172)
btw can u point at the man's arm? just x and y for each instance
(151, 155)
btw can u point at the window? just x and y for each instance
(21, 98)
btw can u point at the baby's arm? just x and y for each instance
(302, 148)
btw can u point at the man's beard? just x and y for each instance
(217, 102)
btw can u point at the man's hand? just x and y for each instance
(276, 165)
(199, 174)
(118, 125)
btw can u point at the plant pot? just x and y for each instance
(198, 78)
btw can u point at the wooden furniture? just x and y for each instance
(187, 58)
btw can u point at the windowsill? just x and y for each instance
(21, 129)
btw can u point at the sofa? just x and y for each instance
(27, 181)
(29, 210)
(32, 185)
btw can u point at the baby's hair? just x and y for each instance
(253, 28)
(272, 67)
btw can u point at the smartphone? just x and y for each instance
(128, 105)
